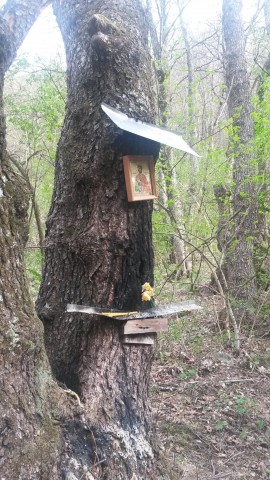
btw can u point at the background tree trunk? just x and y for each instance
(168, 182)
(240, 252)
(30, 440)
(98, 249)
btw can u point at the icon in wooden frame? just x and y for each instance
(140, 177)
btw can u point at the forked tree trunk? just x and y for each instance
(240, 250)
(46, 433)
(98, 248)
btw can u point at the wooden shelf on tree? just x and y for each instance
(139, 327)
(156, 312)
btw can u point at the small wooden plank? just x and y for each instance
(142, 339)
(148, 325)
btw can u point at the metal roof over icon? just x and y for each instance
(147, 130)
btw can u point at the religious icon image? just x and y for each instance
(140, 177)
(141, 181)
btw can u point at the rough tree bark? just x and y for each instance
(35, 206)
(240, 252)
(30, 441)
(98, 247)
(46, 432)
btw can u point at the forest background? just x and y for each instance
(193, 210)
(195, 218)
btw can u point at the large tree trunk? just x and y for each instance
(30, 441)
(46, 433)
(98, 248)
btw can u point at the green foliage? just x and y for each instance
(258, 359)
(260, 424)
(220, 426)
(199, 214)
(32, 258)
(176, 330)
(34, 104)
(188, 373)
(244, 405)
(244, 433)
(261, 117)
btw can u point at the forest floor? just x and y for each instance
(212, 407)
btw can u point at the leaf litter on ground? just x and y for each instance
(211, 407)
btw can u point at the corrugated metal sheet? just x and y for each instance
(158, 134)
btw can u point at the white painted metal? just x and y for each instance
(158, 134)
